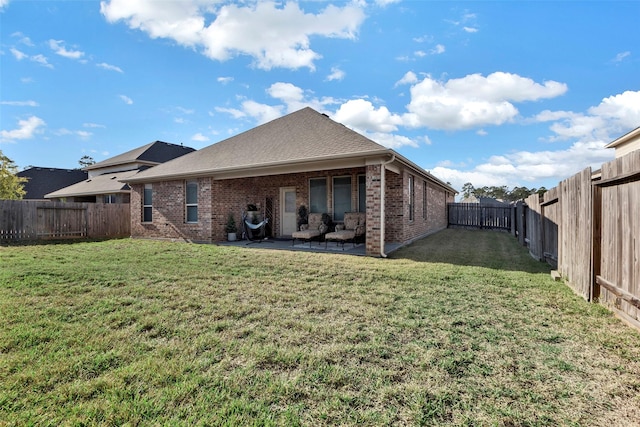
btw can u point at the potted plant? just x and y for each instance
(231, 228)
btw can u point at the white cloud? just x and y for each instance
(23, 39)
(93, 125)
(613, 116)
(42, 60)
(295, 98)
(588, 132)
(18, 54)
(274, 36)
(409, 78)
(364, 117)
(59, 49)
(384, 3)
(262, 113)
(527, 168)
(439, 49)
(473, 100)
(20, 103)
(82, 134)
(336, 74)
(27, 129)
(126, 99)
(622, 109)
(470, 29)
(3, 4)
(225, 80)
(420, 53)
(622, 56)
(109, 67)
(199, 137)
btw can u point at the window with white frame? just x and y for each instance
(318, 195)
(109, 198)
(341, 197)
(147, 202)
(191, 201)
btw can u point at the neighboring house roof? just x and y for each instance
(626, 143)
(305, 139)
(152, 154)
(108, 183)
(106, 176)
(45, 180)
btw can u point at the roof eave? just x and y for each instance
(89, 193)
(624, 138)
(256, 170)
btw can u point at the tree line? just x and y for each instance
(501, 193)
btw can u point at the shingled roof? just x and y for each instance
(108, 183)
(300, 137)
(45, 180)
(150, 154)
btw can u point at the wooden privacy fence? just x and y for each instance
(39, 219)
(475, 215)
(589, 228)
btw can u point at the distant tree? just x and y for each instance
(11, 185)
(467, 190)
(540, 191)
(86, 161)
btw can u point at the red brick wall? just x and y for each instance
(216, 199)
(435, 218)
(169, 212)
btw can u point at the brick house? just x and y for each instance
(104, 181)
(303, 158)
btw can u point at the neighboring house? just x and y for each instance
(484, 201)
(104, 182)
(42, 181)
(303, 158)
(626, 143)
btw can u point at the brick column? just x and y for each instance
(374, 221)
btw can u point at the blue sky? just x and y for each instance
(492, 93)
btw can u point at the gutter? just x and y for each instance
(383, 172)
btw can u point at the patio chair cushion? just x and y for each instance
(315, 228)
(354, 226)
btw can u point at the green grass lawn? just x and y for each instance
(461, 328)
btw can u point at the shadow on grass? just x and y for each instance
(480, 248)
(54, 242)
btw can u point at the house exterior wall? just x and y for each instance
(169, 212)
(218, 198)
(429, 216)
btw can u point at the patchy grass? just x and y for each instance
(461, 328)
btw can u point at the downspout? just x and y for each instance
(383, 186)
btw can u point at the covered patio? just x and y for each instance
(313, 246)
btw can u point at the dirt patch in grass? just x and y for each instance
(461, 328)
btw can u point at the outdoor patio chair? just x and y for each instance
(315, 229)
(352, 229)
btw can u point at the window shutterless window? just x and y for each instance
(362, 193)
(109, 198)
(147, 201)
(318, 195)
(341, 197)
(191, 201)
(424, 199)
(412, 197)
